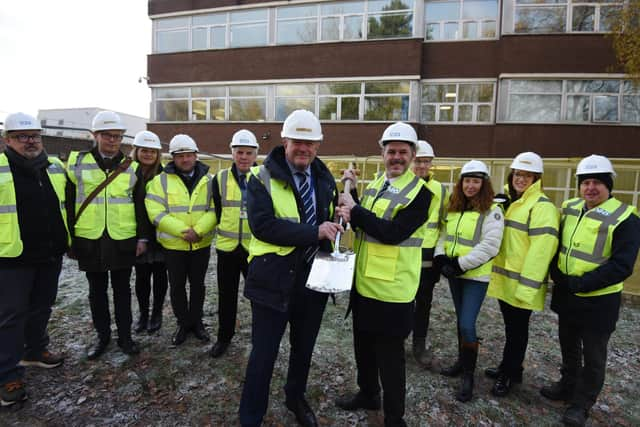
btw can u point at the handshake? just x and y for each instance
(449, 267)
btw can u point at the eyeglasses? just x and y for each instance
(113, 136)
(524, 175)
(24, 138)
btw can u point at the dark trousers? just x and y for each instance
(144, 273)
(467, 296)
(230, 265)
(26, 297)
(304, 317)
(183, 266)
(516, 330)
(424, 297)
(379, 356)
(99, 302)
(578, 343)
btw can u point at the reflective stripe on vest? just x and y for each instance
(437, 212)
(234, 227)
(457, 244)
(587, 238)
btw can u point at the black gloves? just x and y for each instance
(439, 261)
(451, 269)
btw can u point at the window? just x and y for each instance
(457, 102)
(297, 24)
(570, 100)
(342, 20)
(559, 16)
(342, 100)
(389, 18)
(248, 28)
(172, 35)
(460, 19)
(209, 31)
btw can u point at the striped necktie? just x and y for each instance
(309, 212)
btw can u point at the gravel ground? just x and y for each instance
(167, 386)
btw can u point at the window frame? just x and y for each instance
(460, 22)
(456, 104)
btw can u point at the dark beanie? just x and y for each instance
(605, 178)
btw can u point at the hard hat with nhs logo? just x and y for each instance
(21, 121)
(595, 164)
(244, 138)
(399, 131)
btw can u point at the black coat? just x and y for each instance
(272, 278)
(105, 253)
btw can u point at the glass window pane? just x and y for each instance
(631, 109)
(445, 113)
(199, 38)
(340, 7)
(328, 108)
(331, 28)
(543, 1)
(211, 19)
(172, 92)
(439, 92)
(296, 11)
(216, 109)
(465, 113)
(298, 31)
(608, 17)
(629, 87)
(248, 35)
(534, 108)
(172, 110)
(292, 90)
(208, 91)
(199, 109)
(578, 108)
(390, 25)
(386, 87)
(479, 9)
(386, 5)
(488, 29)
(540, 20)
(476, 92)
(536, 86)
(386, 107)
(168, 23)
(428, 113)
(339, 88)
(433, 32)
(605, 108)
(451, 31)
(469, 30)
(247, 109)
(484, 113)
(583, 18)
(588, 86)
(442, 11)
(218, 35)
(353, 27)
(247, 91)
(172, 41)
(249, 15)
(350, 108)
(285, 106)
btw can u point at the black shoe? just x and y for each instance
(493, 373)
(155, 323)
(502, 385)
(453, 370)
(557, 391)
(219, 348)
(180, 336)
(129, 346)
(358, 400)
(465, 392)
(575, 416)
(140, 325)
(201, 333)
(302, 411)
(97, 348)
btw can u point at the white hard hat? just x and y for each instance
(21, 121)
(147, 139)
(475, 168)
(399, 131)
(182, 143)
(244, 138)
(528, 161)
(595, 164)
(302, 124)
(424, 149)
(107, 120)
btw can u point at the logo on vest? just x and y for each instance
(602, 212)
(393, 190)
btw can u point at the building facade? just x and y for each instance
(477, 78)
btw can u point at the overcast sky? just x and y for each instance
(74, 54)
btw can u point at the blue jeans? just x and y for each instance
(467, 298)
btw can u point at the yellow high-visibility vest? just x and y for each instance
(437, 212)
(173, 210)
(112, 208)
(11, 245)
(233, 228)
(384, 272)
(587, 238)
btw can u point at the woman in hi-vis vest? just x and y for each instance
(519, 273)
(467, 245)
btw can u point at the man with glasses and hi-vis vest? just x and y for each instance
(33, 238)
(105, 206)
(179, 204)
(599, 239)
(233, 234)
